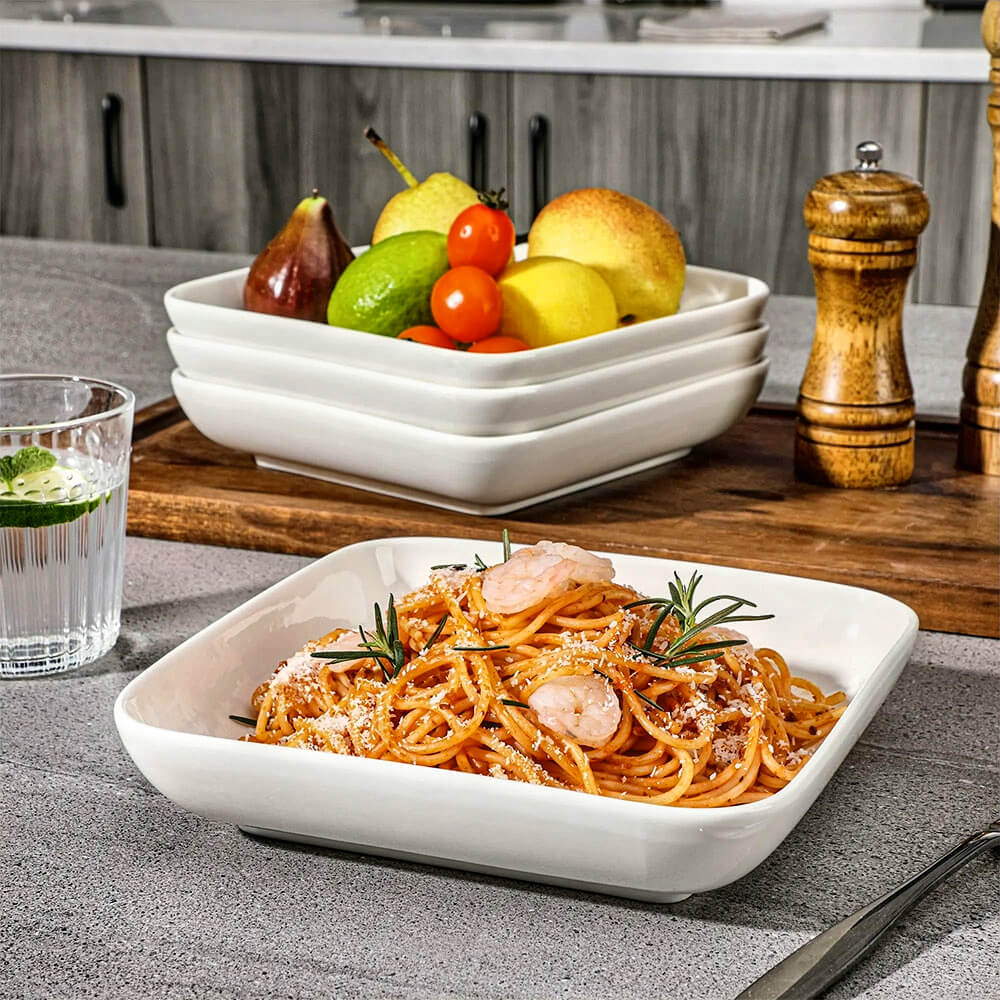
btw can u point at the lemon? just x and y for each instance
(548, 300)
(51, 496)
(388, 288)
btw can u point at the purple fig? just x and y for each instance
(295, 273)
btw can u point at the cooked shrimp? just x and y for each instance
(297, 678)
(744, 652)
(304, 662)
(532, 574)
(343, 642)
(585, 708)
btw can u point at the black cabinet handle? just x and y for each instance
(478, 151)
(538, 131)
(111, 118)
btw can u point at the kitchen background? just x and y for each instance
(200, 125)
(163, 123)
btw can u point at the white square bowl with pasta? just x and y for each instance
(615, 723)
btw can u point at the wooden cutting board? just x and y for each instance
(934, 543)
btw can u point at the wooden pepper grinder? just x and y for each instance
(979, 432)
(855, 424)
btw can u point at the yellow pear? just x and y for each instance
(431, 205)
(547, 301)
(632, 246)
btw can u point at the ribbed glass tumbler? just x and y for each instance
(64, 459)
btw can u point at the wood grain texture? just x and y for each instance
(224, 171)
(729, 162)
(855, 405)
(52, 180)
(956, 174)
(235, 145)
(156, 417)
(422, 114)
(979, 436)
(933, 544)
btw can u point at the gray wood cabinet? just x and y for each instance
(729, 162)
(234, 146)
(213, 154)
(957, 174)
(58, 147)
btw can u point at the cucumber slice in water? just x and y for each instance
(53, 496)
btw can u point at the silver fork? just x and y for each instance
(819, 963)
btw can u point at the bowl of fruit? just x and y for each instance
(460, 367)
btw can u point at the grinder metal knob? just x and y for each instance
(869, 153)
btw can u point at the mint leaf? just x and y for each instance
(24, 462)
(32, 459)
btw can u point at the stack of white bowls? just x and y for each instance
(477, 433)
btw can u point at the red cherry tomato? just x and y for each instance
(499, 345)
(482, 236)
(429, 335)
(466, 303)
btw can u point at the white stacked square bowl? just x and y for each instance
(483, 434)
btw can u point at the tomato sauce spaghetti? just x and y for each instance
(542, 669)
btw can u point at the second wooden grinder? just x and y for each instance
(855, 408)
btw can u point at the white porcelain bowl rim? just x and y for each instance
(483, 442)
(679, 352)
(754, 813)
(756, 290)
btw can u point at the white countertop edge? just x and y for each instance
(635, 58)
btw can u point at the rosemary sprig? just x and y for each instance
(654, 628)
(434, 635)
(681, 604)
(454, 566)
(384, 647)
(478, 649)
(243, 720)
(670, 659)
(648, 701)
(480, 563)
(513, 702)
(638, 694)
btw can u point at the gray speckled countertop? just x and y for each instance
(110, 891)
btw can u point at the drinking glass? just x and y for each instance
(64, 454)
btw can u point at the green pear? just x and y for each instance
(429, 205)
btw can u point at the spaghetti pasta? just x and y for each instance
(578, 682)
